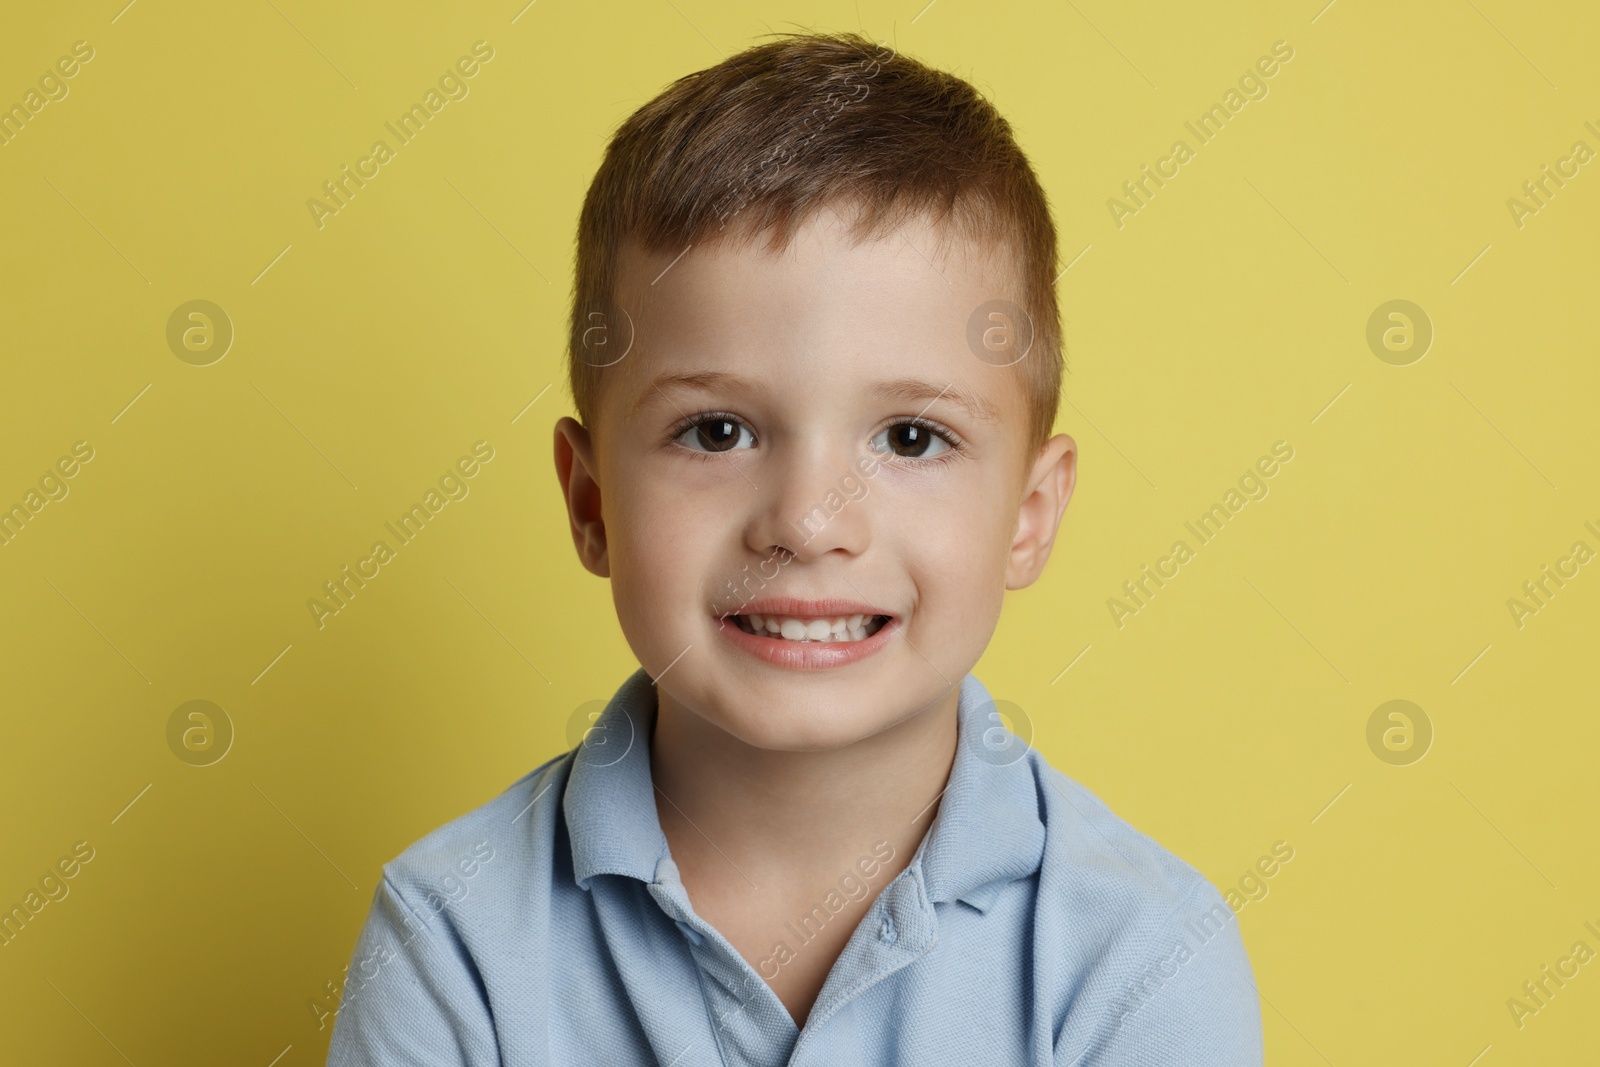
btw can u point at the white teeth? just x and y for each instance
(825, 630)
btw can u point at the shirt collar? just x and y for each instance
(610, 798)
(988, 830)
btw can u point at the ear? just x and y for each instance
(1044, 499)
(580, 487)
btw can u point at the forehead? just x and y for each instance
(913, 254)
(827, 311)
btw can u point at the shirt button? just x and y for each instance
(690, 932)
(887, 933)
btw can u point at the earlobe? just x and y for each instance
(1044, 500)
(580, 490)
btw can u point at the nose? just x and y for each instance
(814, 503)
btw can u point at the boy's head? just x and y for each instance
(815, 353)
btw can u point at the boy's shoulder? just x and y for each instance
(1145, 945)
(1115, 867)
(507, 831)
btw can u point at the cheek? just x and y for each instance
(662, 541)
(952, 541)
(966, 514)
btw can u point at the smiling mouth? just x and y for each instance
(836, 629)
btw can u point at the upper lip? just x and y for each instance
(806, 609)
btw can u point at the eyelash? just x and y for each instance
(957, 448)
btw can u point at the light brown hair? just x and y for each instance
(774, 134)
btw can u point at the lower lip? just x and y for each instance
(806, 655)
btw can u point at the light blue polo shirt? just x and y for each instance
(1032, 926)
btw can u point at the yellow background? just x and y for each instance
(370, 354)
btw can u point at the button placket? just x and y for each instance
(743, 1010)
(899, 929)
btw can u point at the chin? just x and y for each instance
(794, 722)
(802, 732)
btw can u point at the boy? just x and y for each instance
(815, 351)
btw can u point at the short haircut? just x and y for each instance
(771, 136)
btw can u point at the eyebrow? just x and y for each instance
(702, 380)
(910, 390)
(913, 390)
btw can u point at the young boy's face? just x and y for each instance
(811, 426)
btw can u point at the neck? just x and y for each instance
(781, 820)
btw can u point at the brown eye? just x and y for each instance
(911, 440)
(716, 433)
